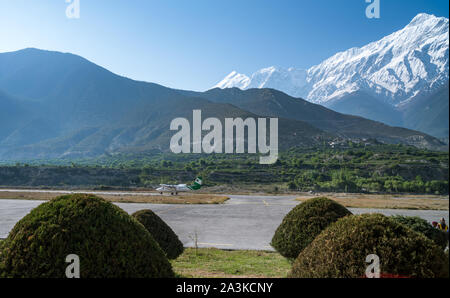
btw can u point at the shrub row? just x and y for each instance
(161, 232)
(303, 223)
(341, 251)
(328, 242)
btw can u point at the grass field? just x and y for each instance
(125, 198)
(412, 202)
(216, 263)
(213, 262)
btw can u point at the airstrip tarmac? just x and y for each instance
(242, 222)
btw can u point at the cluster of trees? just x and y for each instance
(355, 168)
(350, 181)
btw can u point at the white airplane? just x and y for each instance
(175, 188)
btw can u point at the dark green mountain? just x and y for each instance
(271, 102)
(429, 113)
(89, 111)
(61, 105)
(12, 114)
(363, 105)
(64, 83)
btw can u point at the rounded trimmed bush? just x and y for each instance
(303, 223)
(422, 226)
(340, 251)
(109, 242)
(161, 232)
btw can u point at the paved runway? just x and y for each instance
(243, 222)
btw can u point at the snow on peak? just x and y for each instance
(289, 80)
(394, 68)
(423, 17)
(234, 79)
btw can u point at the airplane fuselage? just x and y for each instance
(173, 188)
(176, 188)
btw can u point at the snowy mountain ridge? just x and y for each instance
(394, 69)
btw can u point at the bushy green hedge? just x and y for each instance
(109, 242)
(161, 232)
(340, 250)
(422, 226)
(303, 223)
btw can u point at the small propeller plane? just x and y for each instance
(175, 188)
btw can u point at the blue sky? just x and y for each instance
(193, 44)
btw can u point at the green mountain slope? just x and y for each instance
(89, 111)
(271, 102)
(70, 107)
(363, 105)
(12, 114)
(429, 113)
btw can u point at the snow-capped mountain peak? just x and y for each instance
(234, 79)
(421, 18)
(290, 80)
(394, 68)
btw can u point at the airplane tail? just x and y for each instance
(198, 182)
